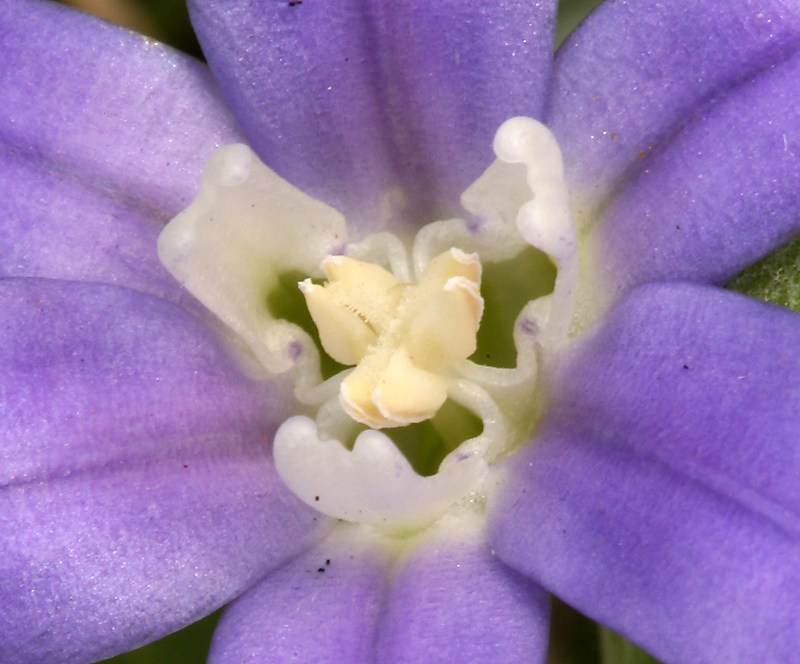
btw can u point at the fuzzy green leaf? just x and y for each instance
(775, 278)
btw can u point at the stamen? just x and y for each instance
(403, 338)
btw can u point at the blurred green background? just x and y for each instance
(168, 20)
(574, 638)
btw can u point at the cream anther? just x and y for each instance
(403, 338)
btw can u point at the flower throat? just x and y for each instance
(410, 337)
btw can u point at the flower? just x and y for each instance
(659, 494)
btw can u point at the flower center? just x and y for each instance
(405, 321)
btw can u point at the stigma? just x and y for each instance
(403, 338)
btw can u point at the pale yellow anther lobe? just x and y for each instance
(445, 328)
(453, 263)
(367, 288)
(347, 336)
(406, 393)
(403, 338)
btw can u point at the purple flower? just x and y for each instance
(660, 492)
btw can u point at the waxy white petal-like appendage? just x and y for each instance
(373, 483)
(245, 227)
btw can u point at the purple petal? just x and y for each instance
(634, 72)
(661, 494)
(110, 125)
(321, 607)
(378, 108)
(56, 226)
(723, 193)
(137, 491)
(456, 602)
(449, 601)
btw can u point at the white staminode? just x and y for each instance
(231, 244)
(545, 221)
(409, 342)
(373, 483)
